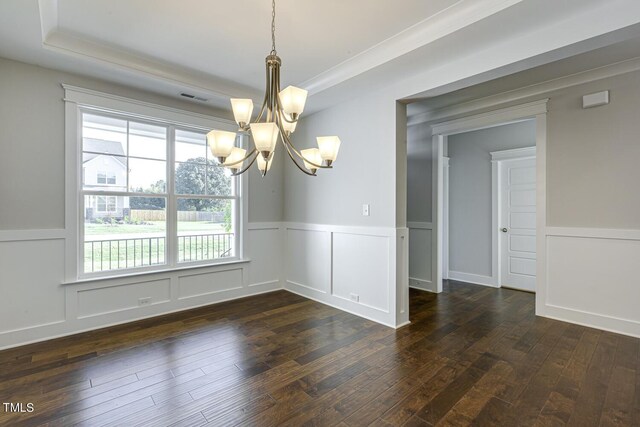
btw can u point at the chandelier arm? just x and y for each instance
(296, 163)
(241, 160)
(248, 166)
(287, 143)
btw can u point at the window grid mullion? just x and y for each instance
(171, 249)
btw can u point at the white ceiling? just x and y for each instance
(231, 38)
(216, 49)
(337, 49)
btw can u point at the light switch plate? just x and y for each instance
(365, 210)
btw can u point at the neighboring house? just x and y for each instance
(105, 169)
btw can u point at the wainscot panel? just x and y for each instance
(30, 276)
(309, 259)
(114, 298)
(588, 279)
(195, 285)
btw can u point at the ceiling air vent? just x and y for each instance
(195, 97)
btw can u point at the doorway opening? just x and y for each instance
(489, 194)
(489, 185)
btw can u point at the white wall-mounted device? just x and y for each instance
(595, 99)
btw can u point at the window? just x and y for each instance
(106, 203)
(152, 196)
(106, 177)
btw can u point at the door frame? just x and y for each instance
(497, 162)
(440, 131)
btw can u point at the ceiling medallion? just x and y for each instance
(278, 116)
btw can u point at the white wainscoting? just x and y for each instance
(112, 299)
(350, 268)
(308, 265)
(592, 278)
(420, 256)
(30, 276)
(37, 306)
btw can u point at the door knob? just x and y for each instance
(504, 230)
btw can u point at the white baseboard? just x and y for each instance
(342, 308)
(476, 279)
(422, 285)
(593, 320)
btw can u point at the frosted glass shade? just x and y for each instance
(288, 127)
(329, 146)
(236, 155)
(262, 164)
(221, 142)
(311, 155)
(242, 110)
(265, 136)
(293, 100)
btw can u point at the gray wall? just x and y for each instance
(32, 147)
(470, 192)
(593, 156)
(419, 173)
(365, 171)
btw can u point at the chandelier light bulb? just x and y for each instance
(309, 156)
(242, 110)
(329, 146)
(221, 143)
(264, 165)
(233, 161)
(288, 126)
(293, 99)
(265, 136)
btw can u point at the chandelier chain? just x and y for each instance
(273, 28)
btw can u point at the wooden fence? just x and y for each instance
(186, 216)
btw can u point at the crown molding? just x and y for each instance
(448, 21)
(536, 90)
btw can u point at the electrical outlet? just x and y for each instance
(144, 301)
(354, 297)
(365, 209)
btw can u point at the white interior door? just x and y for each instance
(518, 223)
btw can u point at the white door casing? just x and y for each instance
(517, 220)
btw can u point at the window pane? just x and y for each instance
(123, 232)
(101, 134)
(104, 172)
(147, 176)
(190, 178)
(147, 140)
(206, 229)
(191, 146)
(219, 180)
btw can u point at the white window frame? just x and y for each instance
(77, 100)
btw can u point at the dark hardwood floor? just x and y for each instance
(471, 356)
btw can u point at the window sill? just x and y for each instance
(152, 272)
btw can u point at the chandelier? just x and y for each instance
(278, 117)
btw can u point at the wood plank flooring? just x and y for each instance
(471, 356)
